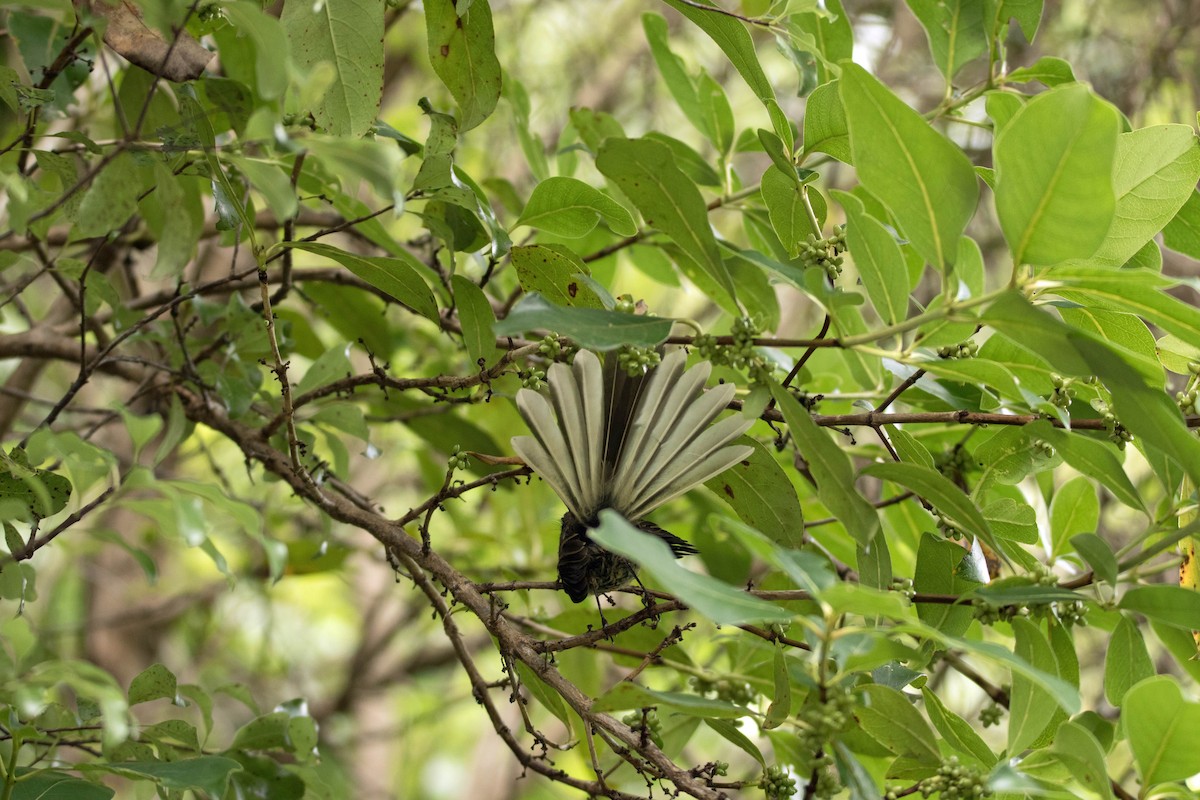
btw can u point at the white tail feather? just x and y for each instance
(669, 444)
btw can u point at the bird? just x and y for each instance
(604, 438)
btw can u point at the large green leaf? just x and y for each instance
(1163, 730)
(716, 600)
(893, 721)
(556, 273)
(1031, 707)
(926, 182)
(398, 277)
(1091, 457)
(762, 495)
(957, 732)
(1173, 605)
(1182, 233)
(1144, 410)
(955, 30)
(346, 35)
(878, 259)
(1126, 661)
(1054, 168)
(646, 172)
(831, 468)
(593, 328)
(1155, 172)
(784, 198)
(825, 128)
(571, 208)
(462, 50)
(941, 493)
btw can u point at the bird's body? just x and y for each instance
(605, 439)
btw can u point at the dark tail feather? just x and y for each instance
(678, 546)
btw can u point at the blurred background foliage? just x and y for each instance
(313, 610)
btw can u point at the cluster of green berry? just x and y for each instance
(625, 304)
(458, 459)
(533, 379)
(1063, 394)
(1118, 434)
(712, 770)
(739, 353)
(904, 586)
(647, 723)
(552, 348)
(956, 781)
(777, 784)
(726, 689)
(967, 349)
(989, 613)
(991, 714)
(825, 253)
(636, 360)
(819, 723)
(953, 463)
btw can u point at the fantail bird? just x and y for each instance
(605, 439)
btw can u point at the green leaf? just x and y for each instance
(784, 199)
(206, 773)
(878, 259)
(477, 318)
(1054, 168)
(1136, 291)
(925, 181)
(729, 730)
(1098, 555)
(1031, 706)
(333, 364)
(272, 181)
(646, 172)
(762, 495)
(939, 491)
(110, 201)
(398, 277)
(267, 732)
(1009, 519)
(1077, 749)
(545, 695)
(1161, 727)
(1092, 457)
(555, 273)
(571, 208)
(781, 702)
(152, 683)
(1125, 333)
(1126, 661)
(46, 784)
(825, 128)
(1073, 510)
(831, 468)
(271, 50)
(716, 600)
(892, 720)
(462, 50)
(1182, 233)
(955, 31)
(1144, 410)
(944, 568)
(957, 732)
(733, 38)
(1048, 70)
(347, 36)
(1173, 605)
(717, 113)
(674, 72)
(592, 328)
(627, 695)
(1155, 173)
